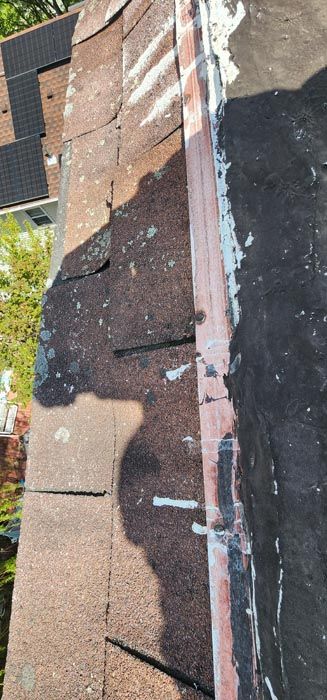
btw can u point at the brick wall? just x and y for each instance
(12, 449)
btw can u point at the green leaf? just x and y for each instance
(21, 14)
(24, 266)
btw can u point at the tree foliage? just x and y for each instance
(24, 266)
(16, 15)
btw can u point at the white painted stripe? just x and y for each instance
(151, 48)
(175, 503)
(163, 103)
(173, 91)
(152, 76)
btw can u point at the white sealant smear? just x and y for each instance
(152, 76)
(68, 109)
(212, 343)
(199, 529)
(228, 22)
(270, 688)
(151, 48)
(218, 23)
(280, 597)
(174, 374)
(249, 240)
(174, 503)
(254, 608)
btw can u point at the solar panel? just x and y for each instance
(26, 105)
(40, 47)
(63, 31)
(28, 51)
(22, 173)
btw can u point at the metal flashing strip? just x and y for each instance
(217, 418)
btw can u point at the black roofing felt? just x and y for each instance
(41, 47)
(22, 172)
(26, 105)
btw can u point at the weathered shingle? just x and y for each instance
(94, 16)
(95, 84)
(150, 274)
(159, 580)
(73, 404)
(92, 170)
(148, 682)
(151, 98)
(57, 635)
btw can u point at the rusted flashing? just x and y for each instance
(227, 547)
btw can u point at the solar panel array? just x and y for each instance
(63, 32)
(39, 48)
(26, 105)
(27, 51)
(22, 173)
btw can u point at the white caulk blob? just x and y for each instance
(174, 503)
(249, 240)
(62, 435)
(199, 529)
(177, 373)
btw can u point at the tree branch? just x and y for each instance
(21, 11)
(57, 7)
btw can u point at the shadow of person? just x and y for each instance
(276, 143)
(143, 428)
(115, 422)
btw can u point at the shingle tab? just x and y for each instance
(95, 86)
(159, 579)
(151, 107)
(73, 403)
(94, 16)
(133, 13)
(150, 262)
(57, 632)
(148, 682)
(92, 169)
(6, 126)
